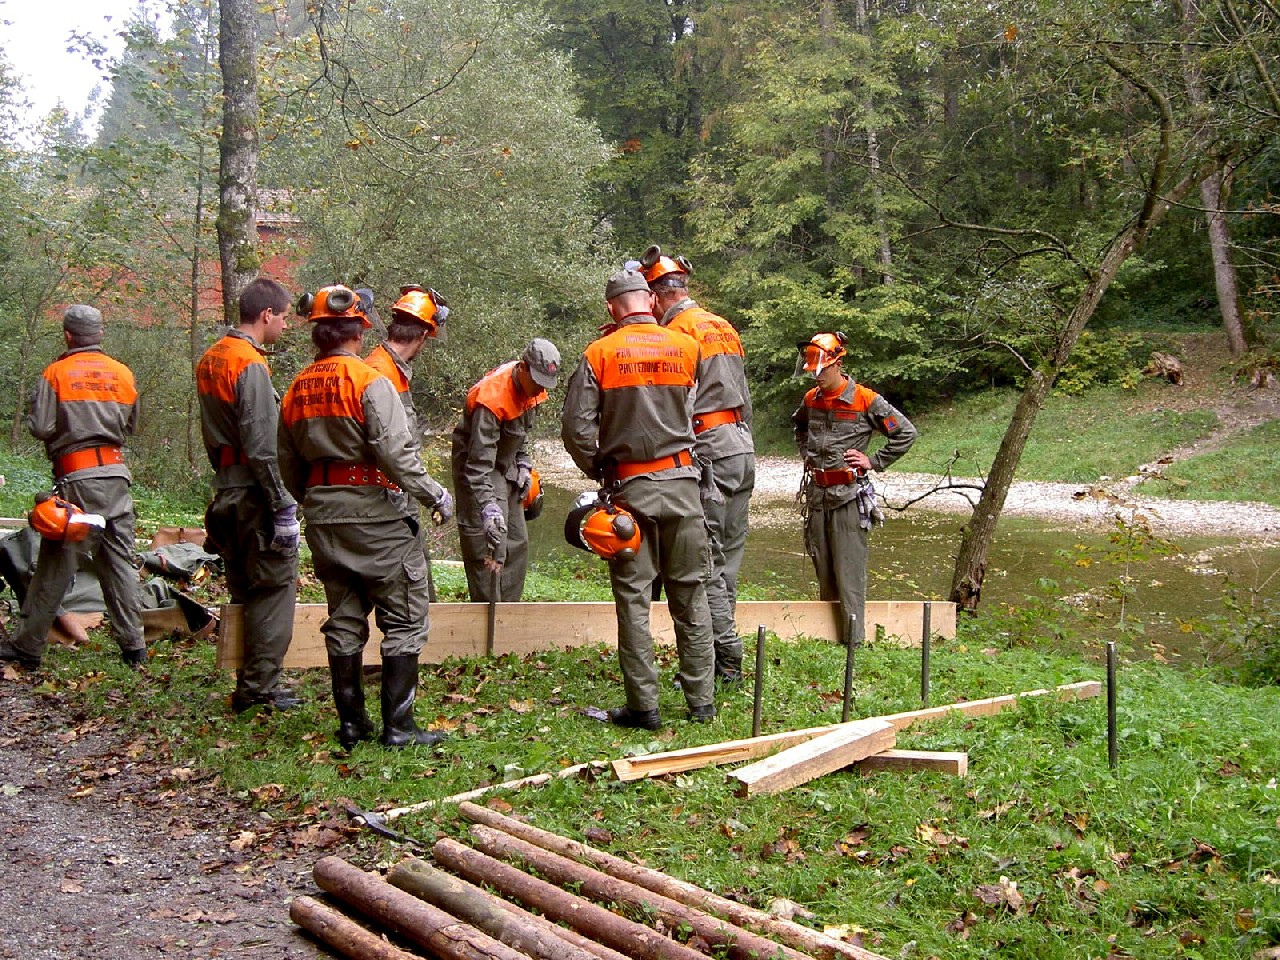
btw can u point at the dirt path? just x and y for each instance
(111, 854)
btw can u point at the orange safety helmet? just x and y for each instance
(425, 306)
(532, 502)
(605, 529)
(654, 266)
(57, 519)
(819, 352)
(334, 302)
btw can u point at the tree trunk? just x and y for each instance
(238, 151)
(1212, 191)
(627, 936)
(501, 920)
(343, 934)
(407, 916)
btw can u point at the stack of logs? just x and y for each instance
(443, 910)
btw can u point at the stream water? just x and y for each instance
(1165, 585)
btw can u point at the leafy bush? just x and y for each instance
(1100, 359)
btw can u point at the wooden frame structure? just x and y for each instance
(461, 629)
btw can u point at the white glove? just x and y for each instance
(285, 529)
(495, 525)
(524, 479)
(442, 512)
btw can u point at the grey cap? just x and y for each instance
(82, 320)
(625, 281)
(543, 360)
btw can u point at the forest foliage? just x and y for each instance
(941, 180)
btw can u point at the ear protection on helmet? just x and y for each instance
(604, 528)
(425, 305)
(654, 265)
(57, 519)
(532, 502)
(819, 352)
(333, 303)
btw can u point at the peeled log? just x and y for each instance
(404, 914)
(339, 932)
(504, 921)
(785, 931)
(634, 939)
(737, 943)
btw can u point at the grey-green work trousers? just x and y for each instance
(264, 581)
(514, 552)
(734, 478)
(838, 545)
(673, 547)
(372, 565)
(112, 553)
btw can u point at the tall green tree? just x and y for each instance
(435, 141)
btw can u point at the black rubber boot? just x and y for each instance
(703, 713)
(354, 725)
(136, 659)
(10, 653)
(399, 688)
(626, 717)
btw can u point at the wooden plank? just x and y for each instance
(832, 751)
(954, 763)
(694, 758)
(460, 629)
(164, 536)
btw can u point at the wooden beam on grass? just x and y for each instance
(841, 747)
(753, 748)
(804, 939)
(950, 762)
(460, 629)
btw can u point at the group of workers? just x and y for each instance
(657, 413)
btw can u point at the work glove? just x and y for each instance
(285, 529)
(869, 513)
(495, 526)
(442, 512)
(524, 479)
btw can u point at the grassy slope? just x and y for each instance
(1175, 855)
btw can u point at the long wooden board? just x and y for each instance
(846, 744)
(459, 629)
(954, 763)
(737, 751)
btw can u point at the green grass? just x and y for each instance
(1106, 432)
(1174, 855)
(1246, 468)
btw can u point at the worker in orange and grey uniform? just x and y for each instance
(418, 316)
(253, 520)
(345, 454)
(722, 443)
(84, 407)
(493, 473)
(833, 426)
(627, 423)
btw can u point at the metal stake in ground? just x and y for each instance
(758, 704)
(1111, 704)
(926, 641)
(849, 647)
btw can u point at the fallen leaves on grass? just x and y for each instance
(1003, 895)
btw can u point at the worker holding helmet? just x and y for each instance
(833, 426)
(84, 407)
(722, 443)
(493, 473)
(253, 519)
(627, 423)
(346, 454)
(418, 316)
